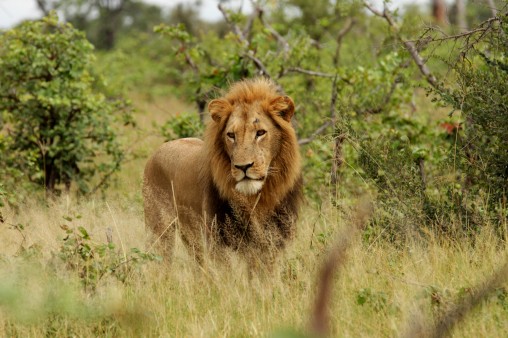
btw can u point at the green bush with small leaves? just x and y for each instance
(94, 261)
(57, 127)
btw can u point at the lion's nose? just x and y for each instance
(244, 167)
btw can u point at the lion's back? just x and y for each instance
(173, 171)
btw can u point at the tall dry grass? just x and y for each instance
(380, 290)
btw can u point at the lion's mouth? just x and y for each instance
(247, 179)
(249, 185)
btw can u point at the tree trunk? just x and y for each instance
(460, 7)
(439, 12)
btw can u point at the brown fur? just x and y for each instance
(216, 203)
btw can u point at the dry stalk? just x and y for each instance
(320, 317)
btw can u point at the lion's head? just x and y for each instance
(251, 142)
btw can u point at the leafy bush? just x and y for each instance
(480, 92)
(94, 261)
(57, 124)
(182, 125)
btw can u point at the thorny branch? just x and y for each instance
(482, 27)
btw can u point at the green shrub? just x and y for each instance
(94, 261)
(60, 129)
(182, 125)
(480, 92)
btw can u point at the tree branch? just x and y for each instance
(248, 27)
(309, 72)
(316, 133)
(347, 27)
(409, 45)
(233, 25)
(248, 53)
(43, 7)
(480, 29)
(333, 116)
(275, 34)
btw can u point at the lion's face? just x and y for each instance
(251, 140)
(251, 134)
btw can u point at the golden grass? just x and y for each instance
(395, 285)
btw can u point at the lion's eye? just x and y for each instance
(231, 135)
(260, 133)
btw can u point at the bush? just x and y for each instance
(182, 125)
(480, 93)
(57, 123)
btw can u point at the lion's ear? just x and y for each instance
(283, 106)
(218, 108)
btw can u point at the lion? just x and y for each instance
(238, 188)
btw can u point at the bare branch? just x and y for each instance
(333, 101)
(483, 27)
(337, 149)
(248, 27)
(233, 25)
(258, 63)
(333, 116)
(189, 59)
(309, 72)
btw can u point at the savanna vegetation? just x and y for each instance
(402, 119)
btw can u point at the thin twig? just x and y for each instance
(481, 28)
(309, 72)
(315, 134)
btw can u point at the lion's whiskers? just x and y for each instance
(272, 171)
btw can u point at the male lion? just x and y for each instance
(239, 188)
